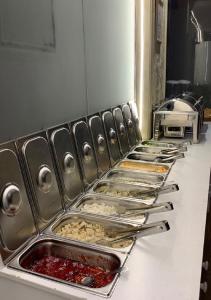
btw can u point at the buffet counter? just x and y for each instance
(160, 267)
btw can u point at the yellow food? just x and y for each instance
(144, 167)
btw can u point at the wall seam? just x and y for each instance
(85, 60)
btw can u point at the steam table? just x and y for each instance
(160, 267)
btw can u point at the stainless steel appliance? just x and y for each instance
(174, 117)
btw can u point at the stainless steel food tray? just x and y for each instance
(135, 177)
(116, 202)
(134, 190)
(110, 260)
(166, 166)
(149, 157)
(153, 143)
(104, 221)
(153, 149)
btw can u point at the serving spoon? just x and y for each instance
(89, 280)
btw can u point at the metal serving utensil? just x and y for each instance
(89, 280)
(169, 158)
(139, 231)
(145, 209)
(161, 190)
(171, 151)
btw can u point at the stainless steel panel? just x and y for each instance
(38, 163)
(105, 202)
(135, 177)
(66, 163)
(177, 104)
(130, 125)
(111, 136)
(99, 143)
(124, 190)
(16, 219)
(107, 260)
(85, 152)
(107, 223)
(121, 130)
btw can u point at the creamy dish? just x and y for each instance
(108, 210)
(115, 192)
(89, 232)
(100, 208)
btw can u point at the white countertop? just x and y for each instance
(165, 266)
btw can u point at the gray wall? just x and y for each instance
(109, 41)
(62, 59)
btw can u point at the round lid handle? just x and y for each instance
(45, 179)
(101, 142)
(100, 139)
(87, 150)
(11, 200)
(122, 128)
(69, 163)
(112, 133)
(130, 123)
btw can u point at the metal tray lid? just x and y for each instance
(99, 143)
(121, 130)
(37, 160)
(134, 114)
(130, 126)
(111, 137)
(85, 152)
(177, 104)
(66, 163)
(16, 218)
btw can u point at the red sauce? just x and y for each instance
(69, 270)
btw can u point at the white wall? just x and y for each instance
(42, 84)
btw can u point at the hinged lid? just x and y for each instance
(85, 152)
(129, 125)
(121, 130)
(99, 143)
(111, 136)
(16, 219)
(134, 114)
(66, 163)
(40, 173)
